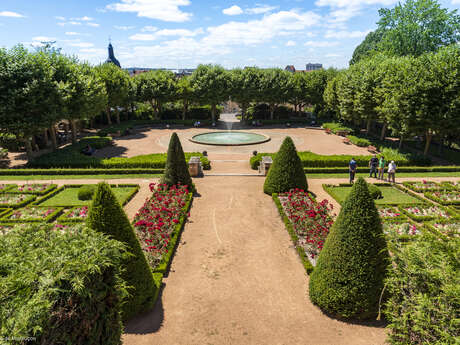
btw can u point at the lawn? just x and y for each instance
(69, 197)
(390, 194)
(76, 177)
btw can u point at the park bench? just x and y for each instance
(372, 149)
(346, 141)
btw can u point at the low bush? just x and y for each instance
(359, 141)
(9, 142)
(375, 192)
(313, 160)
(337, 127)
(74, 300)
(86, 192)
(424, 289)
(79, 171)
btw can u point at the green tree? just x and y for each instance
(245, 85)
(418, 26)
(286, 171)
(176, 169)
(211, 85)
(185, 94)
(275, 88)
(315, 85)
(107, 216)
(348, 278)
(367, 47)
(117, 86)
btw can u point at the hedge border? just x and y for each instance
(294, 238)
(23, 203)
(402, 169)
(8, 186)
(62, 218)
(48, 219)
(38, 193)
(430, 226)
(395, 209)
(413, 194)
(5, 212)
(410, 185)
(79, 171)
(60, 189)
(165, 264)
(420, 219)
(451, 185)
(431, 196)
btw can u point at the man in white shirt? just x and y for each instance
(391, 172)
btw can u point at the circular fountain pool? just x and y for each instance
(230, 138)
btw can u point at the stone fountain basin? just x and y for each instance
(229, 138)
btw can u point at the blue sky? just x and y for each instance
(184, 33)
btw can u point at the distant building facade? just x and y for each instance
(112, 58)
(290, 68)
(178, 72)
(313, 66)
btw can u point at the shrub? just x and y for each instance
(86, 192)
(336, 127)
(375, 192)
(60, 287)
(424, 290)
(348, 278)
(359, 141)
(286, 172)
(107, 216)
(176, 169)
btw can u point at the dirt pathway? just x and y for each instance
(236, 279)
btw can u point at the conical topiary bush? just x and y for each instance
(286, 171)
(347, 281)
(107, 216)
(176, 170)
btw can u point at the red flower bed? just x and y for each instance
(311, 220)
(156, 220)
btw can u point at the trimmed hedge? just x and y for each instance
(74, 300)
(431, 196)
(163, 266)
(15, 190)
(63, 218)
(86, 192)
(348, 278)
(336, 127)
(361, 142)
(48, 219)
(28, 200)
(313, 160)
(407, 169)
(5, 211)
(424, 288)
(286, 172)
(425, 218)
(79, 171)
(303, 257)
(107, 216)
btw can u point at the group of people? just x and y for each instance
(376, 166)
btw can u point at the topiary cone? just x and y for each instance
(348, 278)
(107, 216)
(176, 169)
(286, 171)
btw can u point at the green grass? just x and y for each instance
(76, 177)
(390, 194)
(69, 197)
(421, 174)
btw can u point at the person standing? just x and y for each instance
(352, 166)
(391, 172)
(373, 164)
(382, 163)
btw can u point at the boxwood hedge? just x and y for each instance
(60, 288)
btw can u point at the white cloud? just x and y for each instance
(290, 44)
(43, 39)
(332, 55)
(60, 18)
(11, 14)
(83, 19)
(149, 28)
(345, 34)
(166, 32)
(259, 9)
(72, 33)
(165, 10)
(81, 44)
(232, 11)
(262, 30)
(95, 25)
(343, 10)
(321, 44)
(124, 28)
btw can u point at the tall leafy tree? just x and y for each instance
(245, 85)
(415, 27)
(367, 47)
(185, 94)
(275, 88)
(211, 84)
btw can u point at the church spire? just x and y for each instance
(112, 58)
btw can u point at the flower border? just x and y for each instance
(21, 204)
(431, 196)
(48, 219)
(425, 218)
(62, 218)
(430, 226)
(50, 188)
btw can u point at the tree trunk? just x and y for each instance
(117, 114)
(272, 111)
(73, 127)
(109, 120)
(213, 113)
(184, 109)
(243, 112)
(429, 136)
(400, 142)
(53, 137)
(91, 123)
(45, 137)
(382, 133)
(28, 149)
(368, 127)
(34, 144)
